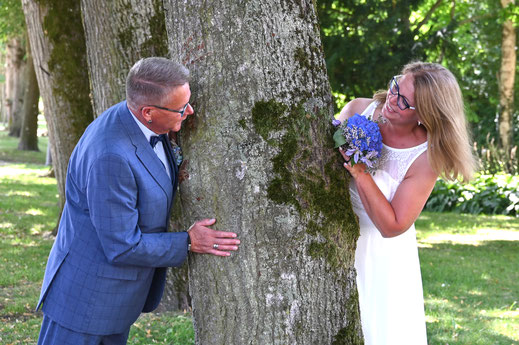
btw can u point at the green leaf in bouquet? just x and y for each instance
(339, 139)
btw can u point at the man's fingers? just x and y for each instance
(225, 247)
(223, 234)
(224, 242)
(219, 253)
(206, 222)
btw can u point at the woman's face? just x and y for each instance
(400, 104)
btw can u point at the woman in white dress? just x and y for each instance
(425, 136)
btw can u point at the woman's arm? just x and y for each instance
(393, 219)
(358, 105)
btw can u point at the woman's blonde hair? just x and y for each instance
(439, 106)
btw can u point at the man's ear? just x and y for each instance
(145, 113)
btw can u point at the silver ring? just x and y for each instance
(215, 246)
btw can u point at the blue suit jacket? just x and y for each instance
(108, 262)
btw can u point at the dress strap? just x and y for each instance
(418, 150)
(368, 112)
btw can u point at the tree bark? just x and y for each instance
(29, 129)
(15, 85)
(261, 161)
(506, 81)
(118, 34)
(59, 55)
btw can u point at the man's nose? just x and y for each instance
(189, 110)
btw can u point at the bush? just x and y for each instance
(488, 194)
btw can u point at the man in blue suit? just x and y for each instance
(108, 262)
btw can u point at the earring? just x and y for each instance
(149, 121)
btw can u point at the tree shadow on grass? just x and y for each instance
(471, 292)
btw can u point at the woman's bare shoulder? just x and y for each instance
(357, 105)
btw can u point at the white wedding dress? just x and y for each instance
(388, 269)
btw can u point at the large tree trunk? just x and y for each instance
(119, 33)
(29, 130)
(15, 85)
(261, 161)
(506, 81)
(59, 55)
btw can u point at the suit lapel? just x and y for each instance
(145, 153)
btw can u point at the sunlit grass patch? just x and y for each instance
(469, 276)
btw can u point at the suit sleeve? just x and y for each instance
(112, 194)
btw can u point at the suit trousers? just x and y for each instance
(52, 333)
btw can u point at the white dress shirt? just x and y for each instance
(159, 148)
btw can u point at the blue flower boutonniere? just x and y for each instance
(360, 139)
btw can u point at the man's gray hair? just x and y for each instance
(152, 79)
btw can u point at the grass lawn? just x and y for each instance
(470, 274)
(469, 266)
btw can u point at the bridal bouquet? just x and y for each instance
(360, 139)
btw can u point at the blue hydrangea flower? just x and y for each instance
(361, 139)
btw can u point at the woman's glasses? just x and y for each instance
(401, 101)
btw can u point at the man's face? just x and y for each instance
(162, 120)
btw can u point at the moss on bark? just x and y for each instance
(67, 63)
(307, 177)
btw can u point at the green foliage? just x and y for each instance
(487, 194)
(12, 20)
(368, 41)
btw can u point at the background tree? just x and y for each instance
(12, 39)
(507, 78)
(59, 53)
(262, 162)
(15, 84)
(29, 127)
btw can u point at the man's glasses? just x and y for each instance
(401, 101)
(181, 112)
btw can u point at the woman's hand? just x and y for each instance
(356, 170)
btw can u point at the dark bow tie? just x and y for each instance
(154, 139)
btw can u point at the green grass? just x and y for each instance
(28, 213)
(9, 150)
(469, 267)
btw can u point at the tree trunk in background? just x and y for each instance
(118, 34)
(506, 81)
(59, 55)
(3, 110)
(29, 130)
(261, 161)
(15, 85)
